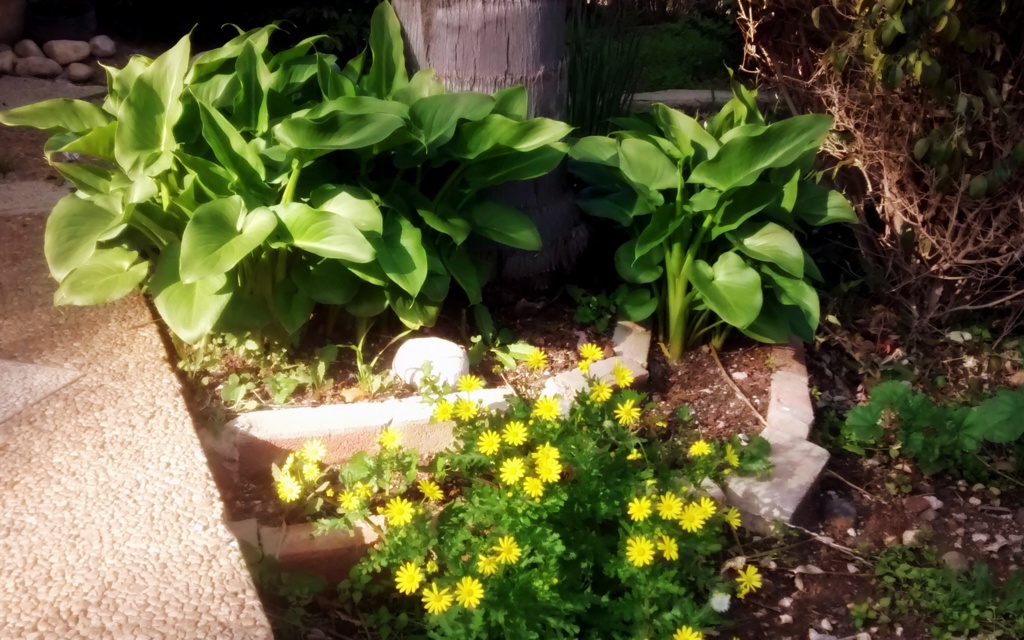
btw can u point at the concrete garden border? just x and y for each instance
(247, 446)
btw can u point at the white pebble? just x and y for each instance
(975, 501)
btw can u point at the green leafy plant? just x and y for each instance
(243, 188)
(711, 213)
(501, 344)
(938, 437)
(536, 524)
(597, 309)
(913, 582)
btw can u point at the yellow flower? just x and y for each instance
(431, 566)
(707, 507)
(363, 489)
(515, 433)
(670, 507)
(466, 409)
(547, 408)
(469, 592)
(436, 600)
(584, 366)
(627, 413)
(408, 578)
(731, 458)
(488, 565)
(534, 487)
(732, 517)
(536, 360)
(699, 448)
(546, 452)
(389, 438)
(469, 382)
(288, 488)
(668, 548)
(512, 470)
(634, 455)
(443, 411)
(329, 492)
(399, 511)
(310, 471)
(639, 509)
(313, 451)
(623, 376)
(548, 470)
(748, 580)
(687, 633)
(692, 518)
(508, 550)
(430, 490)
(639, 551)
(288, 462)
(600, 392)
(489, 443)
(590, 351)
(349, 500)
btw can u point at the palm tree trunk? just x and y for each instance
(485, 45)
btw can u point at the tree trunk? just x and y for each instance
(486, 45)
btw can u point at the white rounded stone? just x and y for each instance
(78, 72)
(447, 360)
(102, 47)
(38, 67)
(66, 51)
(7, 61)
(28, 49)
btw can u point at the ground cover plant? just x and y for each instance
(711, 215)
(537, 523)
(243, 188)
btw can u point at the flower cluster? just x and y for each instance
(301, 469)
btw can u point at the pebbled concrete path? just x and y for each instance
(110, 523)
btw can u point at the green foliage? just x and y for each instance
(690, 53)
(501, 343)
(541, 512)
(914, 582)
(244, 188)
(597, 309)
(711, 214)
(938, 437)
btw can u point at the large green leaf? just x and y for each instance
(662, 224)
(219, 235)
(999, 419)
(387, 63)
(213, 178)
(798, 293)
(643, 270)
(57, 116)
(87, 178)
(190, 310)
(326, 282)
(685, 132)
(771, 325)
(109, 274)
(324, 233)
(772, 243)
(400, 253)
(446, 221)
(600, 149)
(292, 307)
(646, 166)
(437, 116)
(250, 104)
(620, 206)
(739, 205)
(423, 84)
(357, 105)
(741, 160)
(504, 224)
(72, 231)
(638, 305)
(355, 204)
(97, 143)
(730, 288)
(514, 167)
(819, 205)
(120, 81)
(231, 150)
(144, 140)
(511, 102)
(495, 135)
(336, 130)
(369, 301)
(465, 270)
(413, 312)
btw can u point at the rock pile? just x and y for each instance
(57, 58)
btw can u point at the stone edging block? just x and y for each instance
(797, 462)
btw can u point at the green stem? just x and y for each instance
(293, 179)
(165, 196)
(449, 184)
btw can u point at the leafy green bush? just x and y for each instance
(938, 437)
(536, 524)
(243, 188)
(690, 53)
(711, 214)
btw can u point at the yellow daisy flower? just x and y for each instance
(515, 433)
(489, 443)
(639, 551)
(488, 565)
(313, 450)
(408, 578)
(431, 566)
(310, 471)
(389, 438)
(731, 458)
(627, 413)
(537, 360)
(708, 507)
(398, 512)
(349, 500)
(590, 351)
(584, 366)
(699, 448)
(668, 547)
(687, 633)
(512, 470)
(288, 488)
(534, 487)
(508, 550)
(670, 507)
(548, 470)
(469, 592)
(634, 455)
(466, 409)
(430, 490)
(600, 392)
(749, 580)
(547, 408)
(436, 600)
(546, 452)
(469, 382)
(639, 509)
(363, 489)
(732, 517)
(692, 518)
(443, 411)
(623, 376)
